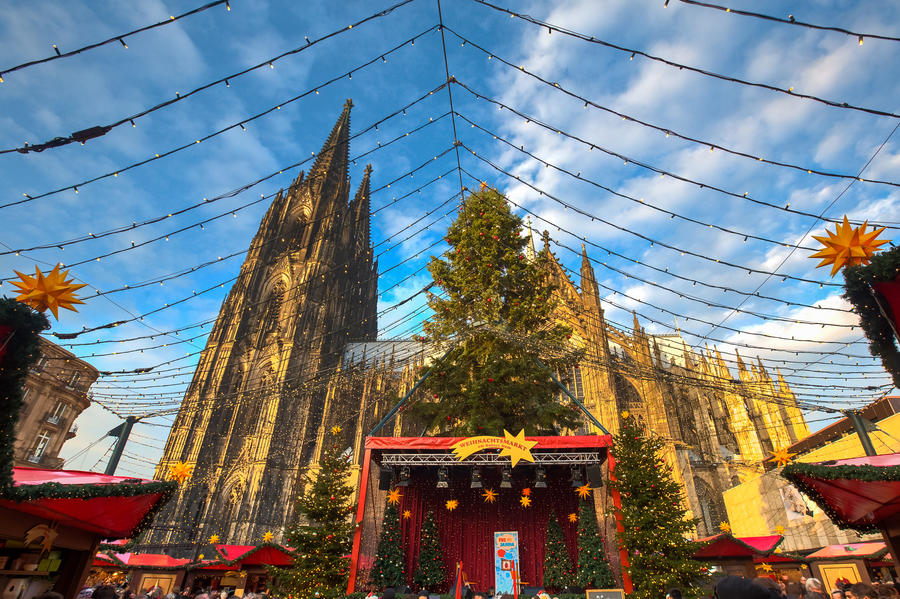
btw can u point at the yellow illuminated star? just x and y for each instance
(781, 456)
(573, 517)
(583, 491)
(201, 556)
(625, 414)
(213, 539)
(525, 500)
(724, 526)
(179, 471)
(490, 495)
(517, 448)
(451, 504)
(267, 538)
(335, 430)
(407, 514)
(779, 530)
(394, 497)
(51, 291)
(765, 567)
(848, 246)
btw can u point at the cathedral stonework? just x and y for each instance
(294, 353)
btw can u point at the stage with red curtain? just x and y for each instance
(467, 532)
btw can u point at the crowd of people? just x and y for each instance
(736, 587)
(107, 591)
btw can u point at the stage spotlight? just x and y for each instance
(476, 479)
(443, 478)
(506, 478)
(404, 477)
(540, 478)
(577, 480)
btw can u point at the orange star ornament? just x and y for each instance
(725, 527)
(526, 492)
(848, 246)
(779, 530)
(213, 539)
(583, 491)
(51, 291)
(451, 505)
(180, 471)
(525, 500)
(394, 497)
(267, 538)
(573, 517)
(781, 456)
(490, 495)
(407, 514)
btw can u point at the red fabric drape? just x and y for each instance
(891, 293)
(467, 533)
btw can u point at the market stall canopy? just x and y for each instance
(857, 493)
(868, 550)
(155, 561)
(270, 554)
(102, 560)
(112, 507)
(724, 545)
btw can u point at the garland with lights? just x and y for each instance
(797, 472)
(858, 282)
(655, 522)
(558, 570)
(20, 327)
(270, 544)
(387, 570)
(593, 568)
(430, 567)
(321, 532)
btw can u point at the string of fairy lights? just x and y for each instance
(140, 390)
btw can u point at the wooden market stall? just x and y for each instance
(852, 561)
(736, 555)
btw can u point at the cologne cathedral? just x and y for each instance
(294, 353)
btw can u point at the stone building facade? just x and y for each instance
(293, 353)
(55, 392)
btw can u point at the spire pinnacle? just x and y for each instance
(530, 253)
(331, 162)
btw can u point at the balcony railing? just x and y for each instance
(34, 458)
(54, 418)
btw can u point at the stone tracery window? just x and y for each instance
(712, 507)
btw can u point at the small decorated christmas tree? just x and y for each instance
(558, 571)
(593, 568)
(430, 568)
(387, 570)
(656, 525)
(321, 532)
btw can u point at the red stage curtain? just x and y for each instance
(467, 533)
(891, 292)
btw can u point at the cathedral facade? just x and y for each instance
(294, 353)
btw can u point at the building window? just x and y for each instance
(58, 413)
(40, 446)
(25, 393)
(74, 380)
(40, 364)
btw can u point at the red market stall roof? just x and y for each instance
(270, 554)
(857, 493)
(102, 560)
(724, 545)
(868, 550)
(154, 561)
(110, 506)
(780, 558)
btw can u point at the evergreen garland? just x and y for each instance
(593, 568)
(885, 267)
(558, 571)
(321, 532)
(497, 321)
(430, 567)
(387, 570)
(20, 327)
(655, 522)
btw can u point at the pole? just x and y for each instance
(122, 432)
(862, 432)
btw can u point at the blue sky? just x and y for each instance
(829, 367)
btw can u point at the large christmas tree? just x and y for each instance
(558, 571)
(387, 571)
(430, 568)
(321, 533)
(656, 525)
(493, 317)
(593, 568)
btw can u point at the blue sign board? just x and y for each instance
(506, 561)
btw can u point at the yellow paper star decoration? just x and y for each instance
(724, 526)
(848, 246)
(525, 500)
(394, 497)
(517, 448)
(765, 567)
(51, 291)
(213, 539)
(573, 517)
(335, 430)
(779, 530)
(781, 456)
(625, 413)
(180, 471)
(451, 504)
(490, 495)
(267, 538)
(583, 491)
(407, 514)
(201, 556)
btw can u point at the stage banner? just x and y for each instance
(506, 561)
